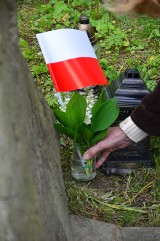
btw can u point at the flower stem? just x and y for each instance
(88, 166)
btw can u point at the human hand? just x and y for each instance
(115, 139)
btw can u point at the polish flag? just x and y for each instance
(71, 59)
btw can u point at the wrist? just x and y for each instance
(132, 130)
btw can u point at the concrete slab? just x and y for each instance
(92, 230)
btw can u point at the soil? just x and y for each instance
(105, 183)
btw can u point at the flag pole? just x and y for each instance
(59, 97)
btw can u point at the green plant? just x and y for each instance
(85, 132)
(71, 122)
(39, 69)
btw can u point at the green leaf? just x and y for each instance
(61, 117)
(99, 136)
(85, 133)
(23, 43)
(68, 132)
(99, 102)
(76, 111)
(125, 43)
(105, 116)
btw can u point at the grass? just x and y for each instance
(132, 200)
(128, 201)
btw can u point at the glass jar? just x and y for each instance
(82, 170)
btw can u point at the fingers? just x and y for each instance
(91, 152)
(102, 159)
(115, 139)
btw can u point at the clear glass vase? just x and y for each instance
(82, 170)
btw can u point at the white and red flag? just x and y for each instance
(71, 59)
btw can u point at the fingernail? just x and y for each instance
(85, 156)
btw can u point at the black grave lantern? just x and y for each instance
(129, 90)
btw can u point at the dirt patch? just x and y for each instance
(105, 183)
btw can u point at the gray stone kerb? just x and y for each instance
(92, 230)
